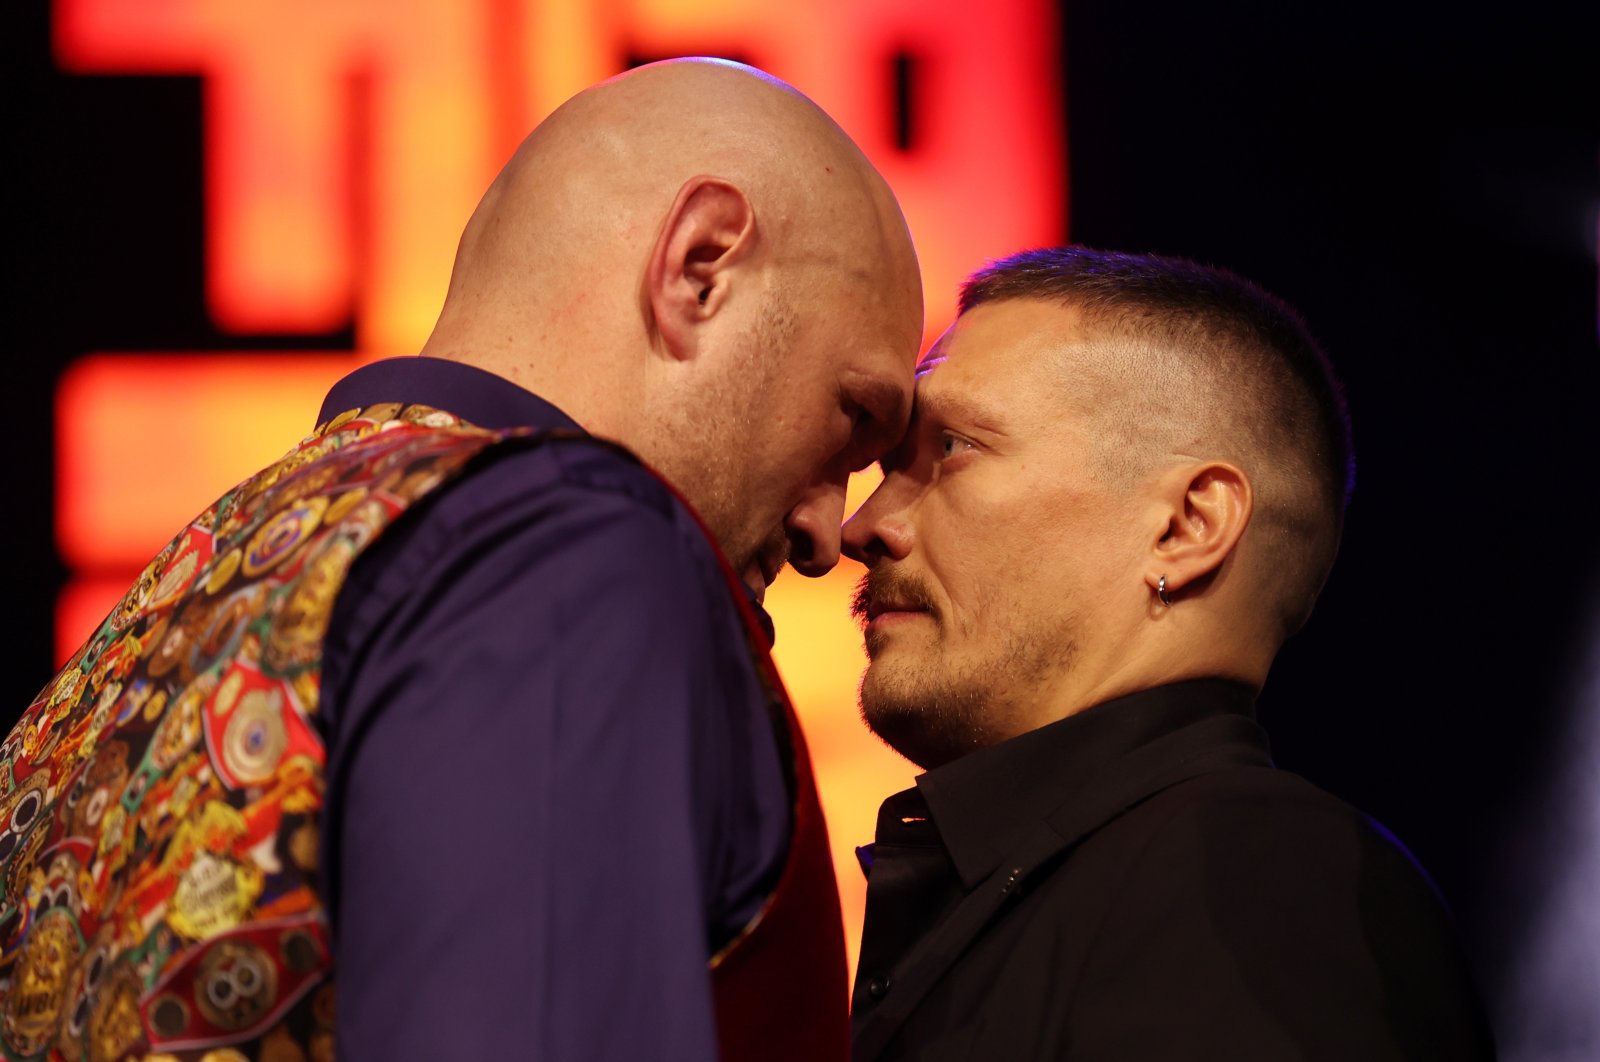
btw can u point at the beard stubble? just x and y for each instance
(932, 708)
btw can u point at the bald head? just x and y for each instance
(661, 248)
(590, 186)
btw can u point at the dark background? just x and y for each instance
(1423, 182)
(1425, 186)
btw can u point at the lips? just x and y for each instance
(879, 608)
(879, 622)
(888, 596)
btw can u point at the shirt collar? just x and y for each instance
(477, 396)
(985, 802)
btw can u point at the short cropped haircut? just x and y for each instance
(1258, 356)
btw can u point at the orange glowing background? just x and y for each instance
(347, 141)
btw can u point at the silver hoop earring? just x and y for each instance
(1161, 591)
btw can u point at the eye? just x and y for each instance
(952, 445)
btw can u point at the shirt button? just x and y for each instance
(878, 987)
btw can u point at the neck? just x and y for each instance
(1159, 658)
(585, 386)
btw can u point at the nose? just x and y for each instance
(877, 529)
(813, 527)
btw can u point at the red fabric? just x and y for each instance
(782, 987)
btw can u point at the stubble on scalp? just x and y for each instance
(933, 710)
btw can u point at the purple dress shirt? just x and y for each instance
(554, 788)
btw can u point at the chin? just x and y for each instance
(927, 722)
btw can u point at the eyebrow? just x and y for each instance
(953, 407)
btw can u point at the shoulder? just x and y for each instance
(531, 504)
(1289, 884)
(560, 577)
(534, 531)
(1254, 845)
(540, 478)
(1259, 904)
(1267, 817)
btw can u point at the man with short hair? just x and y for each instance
(1122, 489)
(462, 703)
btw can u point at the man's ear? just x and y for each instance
(1209, 508)
(710, 227)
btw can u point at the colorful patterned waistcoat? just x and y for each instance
(159, 799)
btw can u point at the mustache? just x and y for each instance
(881, 585)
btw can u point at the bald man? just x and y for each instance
(467, 700)
(1122, 491)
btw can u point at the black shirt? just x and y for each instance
(1137, 881)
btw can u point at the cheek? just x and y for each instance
(998, 555)
(969, 553)
(1084, 550)
(806, 425)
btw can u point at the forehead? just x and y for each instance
(893, 300)
(872, 266)
(867, 330)
(1023, 355)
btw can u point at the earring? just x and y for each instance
(1161, 592)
